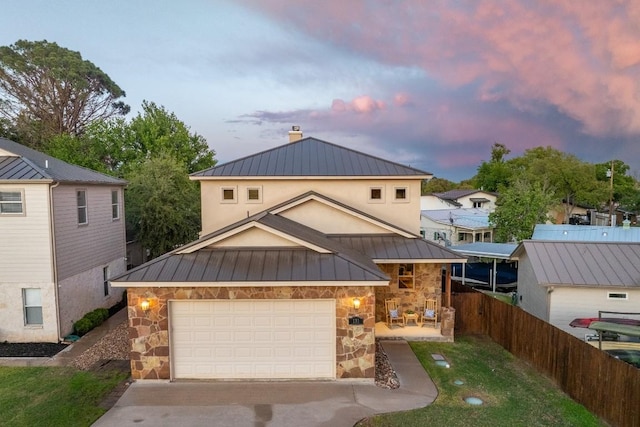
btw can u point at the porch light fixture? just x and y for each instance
(356, 303)
(144, 305)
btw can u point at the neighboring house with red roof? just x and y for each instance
(291, 238)
(63, 237)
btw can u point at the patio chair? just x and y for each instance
(393, 312)
(430, 312)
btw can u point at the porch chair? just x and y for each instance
(429, 312)
(392, 309)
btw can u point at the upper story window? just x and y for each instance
(254, 195)
(477, 204)
(11, 202)
(115, 204)
(32, 303)
(81, 201)
(376, 195)
(229, 195)
(401, 194)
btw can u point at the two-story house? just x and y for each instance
(456, 199)
(62, 236)
(300, 247)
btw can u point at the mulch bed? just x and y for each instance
(30, 349)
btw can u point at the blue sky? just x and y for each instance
(429, 84)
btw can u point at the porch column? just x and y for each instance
(447, 285)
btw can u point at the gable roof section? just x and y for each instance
(35, 165)
(383, 248)
(309, 157)
(312, 195)
(317, 261)
(585, 233)
(18, 168)
(591, 264)
(454, 195)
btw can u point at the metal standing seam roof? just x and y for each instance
(607, 264)
(585, 233)
(486, 249)
(310, 157)
(382, 247)
(39, 166)
(260, 264)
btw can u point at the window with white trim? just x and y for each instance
(477, 205)
(115, 204)
(32, 303)
(618, 295)
(254, 194)
(11, 202)
(228, 195)
(376, 195)
(401, 194)
(81, 201)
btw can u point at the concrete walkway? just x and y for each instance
(261, 404)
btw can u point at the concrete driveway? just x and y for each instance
(261, 404)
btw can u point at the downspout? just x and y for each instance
(54, 272)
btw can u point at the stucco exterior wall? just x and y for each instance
(568, 303)
(217, 213)
(12, 316)
(84, 292)
(80, 248)
(149, 332)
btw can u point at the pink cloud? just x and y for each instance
(362, 104)
(580, 57)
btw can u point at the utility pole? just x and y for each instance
(610, 175)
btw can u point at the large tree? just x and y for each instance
(496, 173)
(163, 205)
(48, 90)
(519, 208)
(571, 181)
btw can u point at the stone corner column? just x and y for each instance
(448, 321)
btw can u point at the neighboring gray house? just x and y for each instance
(62, 234)
(559, 281)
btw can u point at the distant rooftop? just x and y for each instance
(585, 233)
(486, 250)
(472, 218)
(310, 157)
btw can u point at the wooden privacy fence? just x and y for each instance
(607, 387)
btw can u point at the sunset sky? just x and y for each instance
(431, 84)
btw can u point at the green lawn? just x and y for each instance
(51, 396)
(514, 394)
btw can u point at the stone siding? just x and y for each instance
(149, 331)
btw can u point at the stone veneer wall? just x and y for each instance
(427, 286)
(149, 332)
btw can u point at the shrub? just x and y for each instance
(91, 320)
(83, 326)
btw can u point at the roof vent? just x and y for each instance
(295, 134)
(46, 164)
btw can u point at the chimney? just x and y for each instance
(295, 134)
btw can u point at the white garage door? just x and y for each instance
(253, 339)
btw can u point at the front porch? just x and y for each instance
(411, 332)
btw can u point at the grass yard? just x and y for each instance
(52, 396)
(514, 393)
